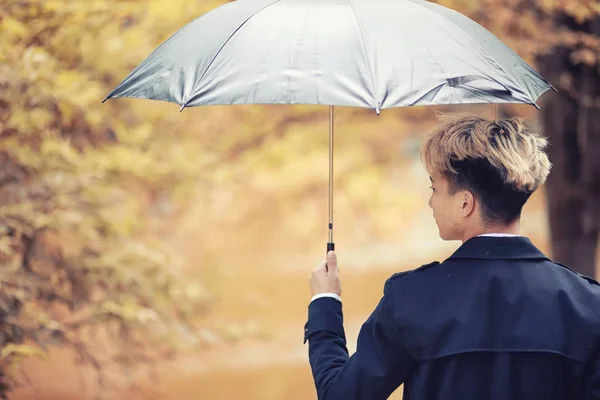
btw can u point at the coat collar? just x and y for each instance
(498, 248)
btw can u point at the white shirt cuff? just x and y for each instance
(333, 295)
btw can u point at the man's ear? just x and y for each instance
(468, 203)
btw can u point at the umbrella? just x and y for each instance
(373, 54)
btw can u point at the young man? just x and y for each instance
(497, 320)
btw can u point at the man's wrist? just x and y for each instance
(321, 295)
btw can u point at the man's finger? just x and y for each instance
(321, 268)
(332, 261)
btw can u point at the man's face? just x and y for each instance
(447, 209)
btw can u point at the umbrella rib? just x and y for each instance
(223, 46)
(362, 39)
(436, 89)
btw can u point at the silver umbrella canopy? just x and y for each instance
(374, 54)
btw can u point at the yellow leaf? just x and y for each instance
(14, 28)
(5, 246)
(22, 350)
(51, 5)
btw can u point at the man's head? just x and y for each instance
(482, 173)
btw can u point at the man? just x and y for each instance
(497, 320)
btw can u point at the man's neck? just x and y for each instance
(512, 229)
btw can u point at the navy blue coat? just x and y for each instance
(497, 320)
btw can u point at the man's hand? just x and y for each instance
(326, 278)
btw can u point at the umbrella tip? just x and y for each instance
(553, 88)
(377, 110)
(109, 96)
(182, 107)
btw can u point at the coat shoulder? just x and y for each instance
(587, 278)
(413, 271)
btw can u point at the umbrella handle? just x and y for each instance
(330, 247)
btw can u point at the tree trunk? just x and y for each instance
(571, 120)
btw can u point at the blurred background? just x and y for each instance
(152, 254)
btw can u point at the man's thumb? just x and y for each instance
(331, 261)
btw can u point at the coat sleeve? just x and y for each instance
(380, 364)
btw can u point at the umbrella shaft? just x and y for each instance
(330, 174)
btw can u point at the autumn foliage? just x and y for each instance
(79, 188)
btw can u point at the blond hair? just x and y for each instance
(512, 149)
